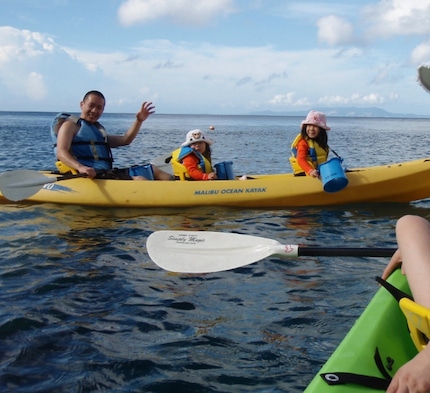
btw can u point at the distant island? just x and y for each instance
(344, 112)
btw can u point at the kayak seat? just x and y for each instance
(179, 170)
(63, 168)
(418, 318)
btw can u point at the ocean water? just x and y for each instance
(84, 309)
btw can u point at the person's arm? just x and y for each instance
(123, 140)
(395, 262)
(64, 142)
(414, 376)
(302, 154)
(413, 238)
(191, 162)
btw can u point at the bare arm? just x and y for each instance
(413, 238)
(122, 140)
(394, 263)
(302, 153)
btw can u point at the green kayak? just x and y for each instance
(377, 345)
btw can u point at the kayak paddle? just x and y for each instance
(23, 183)
(163, 163)
(208, 252)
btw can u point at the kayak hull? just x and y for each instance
(382, 325)
(403, 182)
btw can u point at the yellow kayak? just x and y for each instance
(402, 182)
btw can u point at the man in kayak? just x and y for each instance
(413, 239)
(83, 145)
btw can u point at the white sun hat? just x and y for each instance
(196, 135)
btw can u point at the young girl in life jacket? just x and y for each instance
(194, 157)
(310, 148)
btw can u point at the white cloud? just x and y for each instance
(21, 59)
(189, 12)
(35, 87)
(18, 44)
(186, 77)
(288, 99)
(92, 61)
(421, 54)
(333, 31)
(397, 17)
(382, 20)
(354, 99)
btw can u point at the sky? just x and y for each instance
(214, 56)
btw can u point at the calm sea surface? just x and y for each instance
(84, 309)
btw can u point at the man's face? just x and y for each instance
(92, 108)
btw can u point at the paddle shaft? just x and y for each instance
(42, 181)
(345, 252)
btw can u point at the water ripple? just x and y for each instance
(86, 310)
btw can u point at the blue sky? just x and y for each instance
(214, 56)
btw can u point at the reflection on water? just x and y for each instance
(79, 288)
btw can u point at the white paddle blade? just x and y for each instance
(208, 252)
(22, 184)
(160, 162)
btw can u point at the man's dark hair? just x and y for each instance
(96, 93)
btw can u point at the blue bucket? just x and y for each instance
(333, 175)
(224, 170)
(142, 170)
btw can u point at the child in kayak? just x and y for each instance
(413, 254)
(193, 160)
(310, 147)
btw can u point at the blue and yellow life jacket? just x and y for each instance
(180, 170)
(316, 154)
(89, 146)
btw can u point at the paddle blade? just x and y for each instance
(163, 163)
(22, 184)
(208, 252)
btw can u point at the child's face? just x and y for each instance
(312, 131)
(199, 147)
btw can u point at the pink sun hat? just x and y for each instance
(317, 119)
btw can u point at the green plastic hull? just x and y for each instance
(382, 325)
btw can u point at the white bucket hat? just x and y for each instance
(197, 135)
(317, 119)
